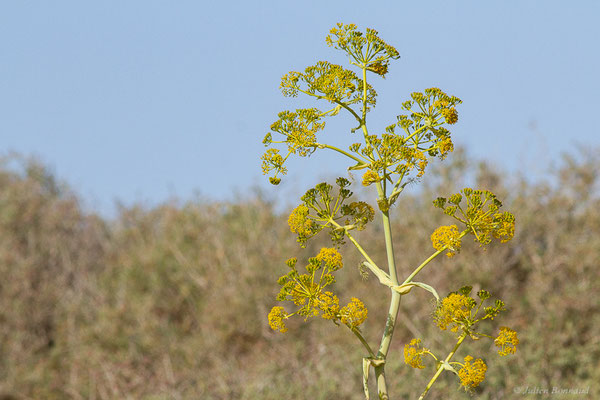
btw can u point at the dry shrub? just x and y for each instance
(171, 302)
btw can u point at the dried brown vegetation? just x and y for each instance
(171, 302)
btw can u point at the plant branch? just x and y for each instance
(441, 367)
(433, 256)
(326, 146)
(362, 340)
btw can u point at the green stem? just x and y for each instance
(364, 108)
(347, 108)
(326, 146)
(416, 132)
(441, 367)
(394, 302)
(395, 191)
(363, 121)
(344, 105)
(327, 112)
(361, 250)
(424, 263)
(363, 341)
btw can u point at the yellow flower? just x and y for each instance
(453, 310)
(300, 223)
(446, 146)
(507, 340)
(414, 158)
(379, 68)
(276, 317)
(329, 304)
(447, 237)
(370, 177)
(505, 229)
(331, 258)
(304, 289)
(354, 313)
(413, 352)
(440, 103)
(450, 115)
(271, 160)
(361, 212)
(472, 374)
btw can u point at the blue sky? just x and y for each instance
(143, 100)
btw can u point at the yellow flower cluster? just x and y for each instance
(457, 311)
(308, 292)
(327, 81)
(301, 224)
(379, 68)
(472, 373)
(450, 115)
(304, 289)
(370, 177)
(330, 305)
(331, 258)
(272, 160)
(446, 237)
(366, 48)
(499, 225)
(354, 314)
(414, 159)
(445, 146)
(360, 212)
(322, 209)
(507, 340)
(276, 317)
(481, 215)
(505, 227)
(299, 128)
(413, 352)
(453, 311)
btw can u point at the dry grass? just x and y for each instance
(171, 302)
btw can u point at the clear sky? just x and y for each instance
(142, 100)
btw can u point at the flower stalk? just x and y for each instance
(391, 161)
(442, 366)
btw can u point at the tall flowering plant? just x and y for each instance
(388, 162)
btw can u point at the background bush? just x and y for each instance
(171, 302)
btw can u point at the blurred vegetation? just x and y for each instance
(171, 302)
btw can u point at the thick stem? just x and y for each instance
(394, 302)
(381, 384)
